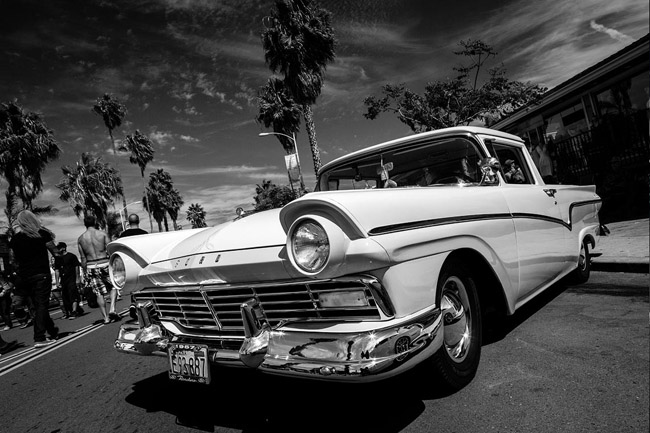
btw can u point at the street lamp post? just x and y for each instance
(295, 146)
(122, 210)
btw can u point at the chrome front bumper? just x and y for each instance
(374, 354)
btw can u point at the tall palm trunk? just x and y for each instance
(117, 167)
(146, 199)
(9, 210)
(311, 132)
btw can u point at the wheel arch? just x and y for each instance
(491, 293)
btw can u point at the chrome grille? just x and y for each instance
(214, 307)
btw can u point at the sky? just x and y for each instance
(189, 72)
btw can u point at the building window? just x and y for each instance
(625, 97)
(567, 123)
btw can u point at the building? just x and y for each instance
(594, 129)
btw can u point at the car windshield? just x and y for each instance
(443, 162)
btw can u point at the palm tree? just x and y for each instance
(90, 186)
(114, 224)
(196, 216)
(112, 112)
(153, 205)
(270, 196)
(163, 198)
(141, 149)
(173, 204)
(26, 147)
(299, 42)
(279, 110)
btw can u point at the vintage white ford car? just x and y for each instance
(394, 260)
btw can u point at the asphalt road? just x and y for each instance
(575, 360)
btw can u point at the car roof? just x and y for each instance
(475, 130)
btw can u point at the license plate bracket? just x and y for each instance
(189, 363)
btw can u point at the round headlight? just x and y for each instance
(310, 246)
(118, 271)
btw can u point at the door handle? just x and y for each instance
(550, 192)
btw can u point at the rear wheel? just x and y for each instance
(457, 360)
(582, 272)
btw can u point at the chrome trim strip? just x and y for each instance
(580, 203)
(207, 253)
(532, 216)
(215, 316)
(435, 222)
(394, 228)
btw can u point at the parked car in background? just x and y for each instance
(393, 261)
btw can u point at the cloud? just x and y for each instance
(612, 33)
(548, 42)
(161, 137)
(384, 36)
(188, 139)
(244, 170)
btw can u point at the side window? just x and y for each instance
(347, 184)
(512, 165)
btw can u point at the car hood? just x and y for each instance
(258, 230)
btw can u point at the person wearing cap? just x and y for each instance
(134, 227)
(513, 173)
(67, 273)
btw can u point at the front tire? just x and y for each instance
(456, 362)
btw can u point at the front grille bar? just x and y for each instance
(217, 308)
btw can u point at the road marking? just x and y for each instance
(33, 353)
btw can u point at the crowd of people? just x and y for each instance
(43, 270)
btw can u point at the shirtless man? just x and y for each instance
(94, 261)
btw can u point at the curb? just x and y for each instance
(633, 268)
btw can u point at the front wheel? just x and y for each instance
(581, 273)
(457, 360)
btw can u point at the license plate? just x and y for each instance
(189, 363)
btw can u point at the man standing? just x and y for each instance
(134, 227)
(94, 261)
(67, 269)
(29, 248)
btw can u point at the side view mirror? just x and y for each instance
(489, 167)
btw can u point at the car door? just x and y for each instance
(539, 228)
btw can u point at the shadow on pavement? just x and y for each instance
(10, 346)
(254, 402)
(497, 327)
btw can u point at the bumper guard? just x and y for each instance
(349, 356)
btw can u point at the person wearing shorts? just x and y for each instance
(94, 261)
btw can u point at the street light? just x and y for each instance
(295, 146)
(122, 209)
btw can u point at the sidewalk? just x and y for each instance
(624, 249)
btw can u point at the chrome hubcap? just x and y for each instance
(456, 318)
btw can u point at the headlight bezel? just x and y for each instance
(337, 240)
(117, 271)
(303, 251)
